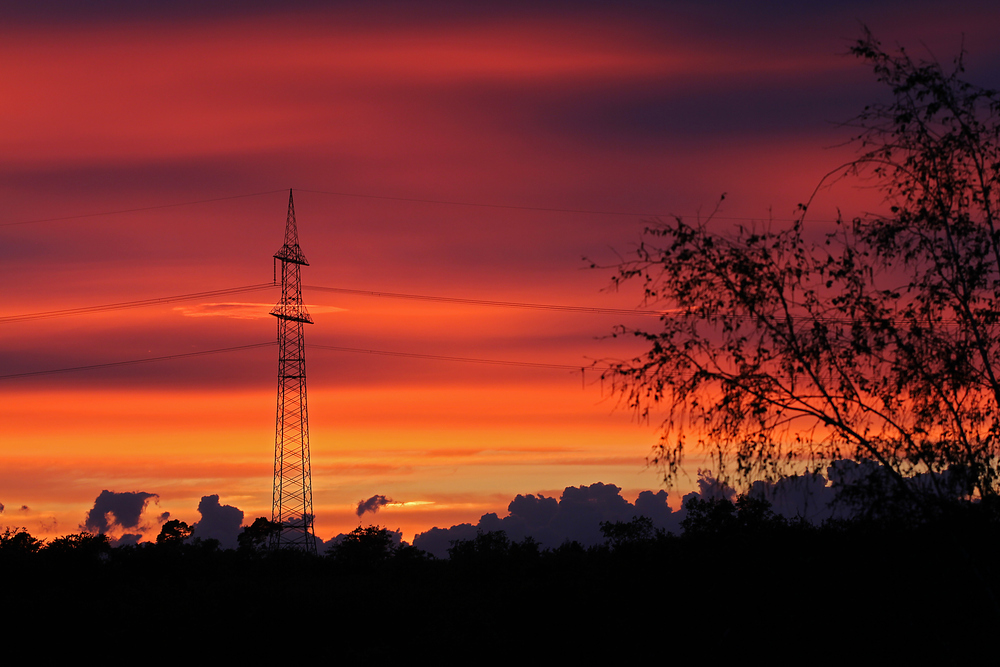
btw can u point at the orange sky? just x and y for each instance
(649, 109)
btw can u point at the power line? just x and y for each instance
(419, 200)
(486, 302)
(136, 210)
(437, 357)
(544, 209)
(132, 362)
(333, 348)
(237, 348)
(575, 309)
(83, 310)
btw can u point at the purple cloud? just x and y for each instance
(111, 509)
(372, 505)
(218, 522)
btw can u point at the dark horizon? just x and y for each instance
(653, 108)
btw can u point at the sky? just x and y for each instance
(484, 151)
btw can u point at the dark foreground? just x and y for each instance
(856, 592)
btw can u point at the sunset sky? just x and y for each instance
(569, 125)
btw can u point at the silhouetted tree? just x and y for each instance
(485, 548)
(87, 545)
(364, 547)
(18, 541)
(777, 354)
(208, 545)
(619, 534)
(255, 536)
(174, 531)
(721, 516)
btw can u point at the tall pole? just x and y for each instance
(292, 504)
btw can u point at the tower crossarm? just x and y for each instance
(290, 307)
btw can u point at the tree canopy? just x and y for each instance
(174, 531)
(781, 351)
(366, 546)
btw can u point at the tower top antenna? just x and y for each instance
(291, 252)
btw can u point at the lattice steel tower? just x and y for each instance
(292, 506)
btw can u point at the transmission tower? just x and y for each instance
(292, 505)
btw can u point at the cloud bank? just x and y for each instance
(576, 516)
(843, 493)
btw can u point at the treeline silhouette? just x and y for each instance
(739, 580)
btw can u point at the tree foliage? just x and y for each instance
(254, 538)
(725, 518)
(18, 541)
(175, 532)
(493, 548)
(84, 544)
(366, 546)
(620, 535)
(780, 353)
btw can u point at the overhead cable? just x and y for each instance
(486, 302)
(83, 310)
(132, 362)
(418, 200)
(237, 348)
(137, 210)
(543, 209)
(470, 360)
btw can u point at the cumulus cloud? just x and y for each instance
(218, 522)
(851, 489)
(807, 496)
(654, 507)
(372, 504)
(116, 511)
(576, 516)
(437, 540)
(127, 539)
(867, 488)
